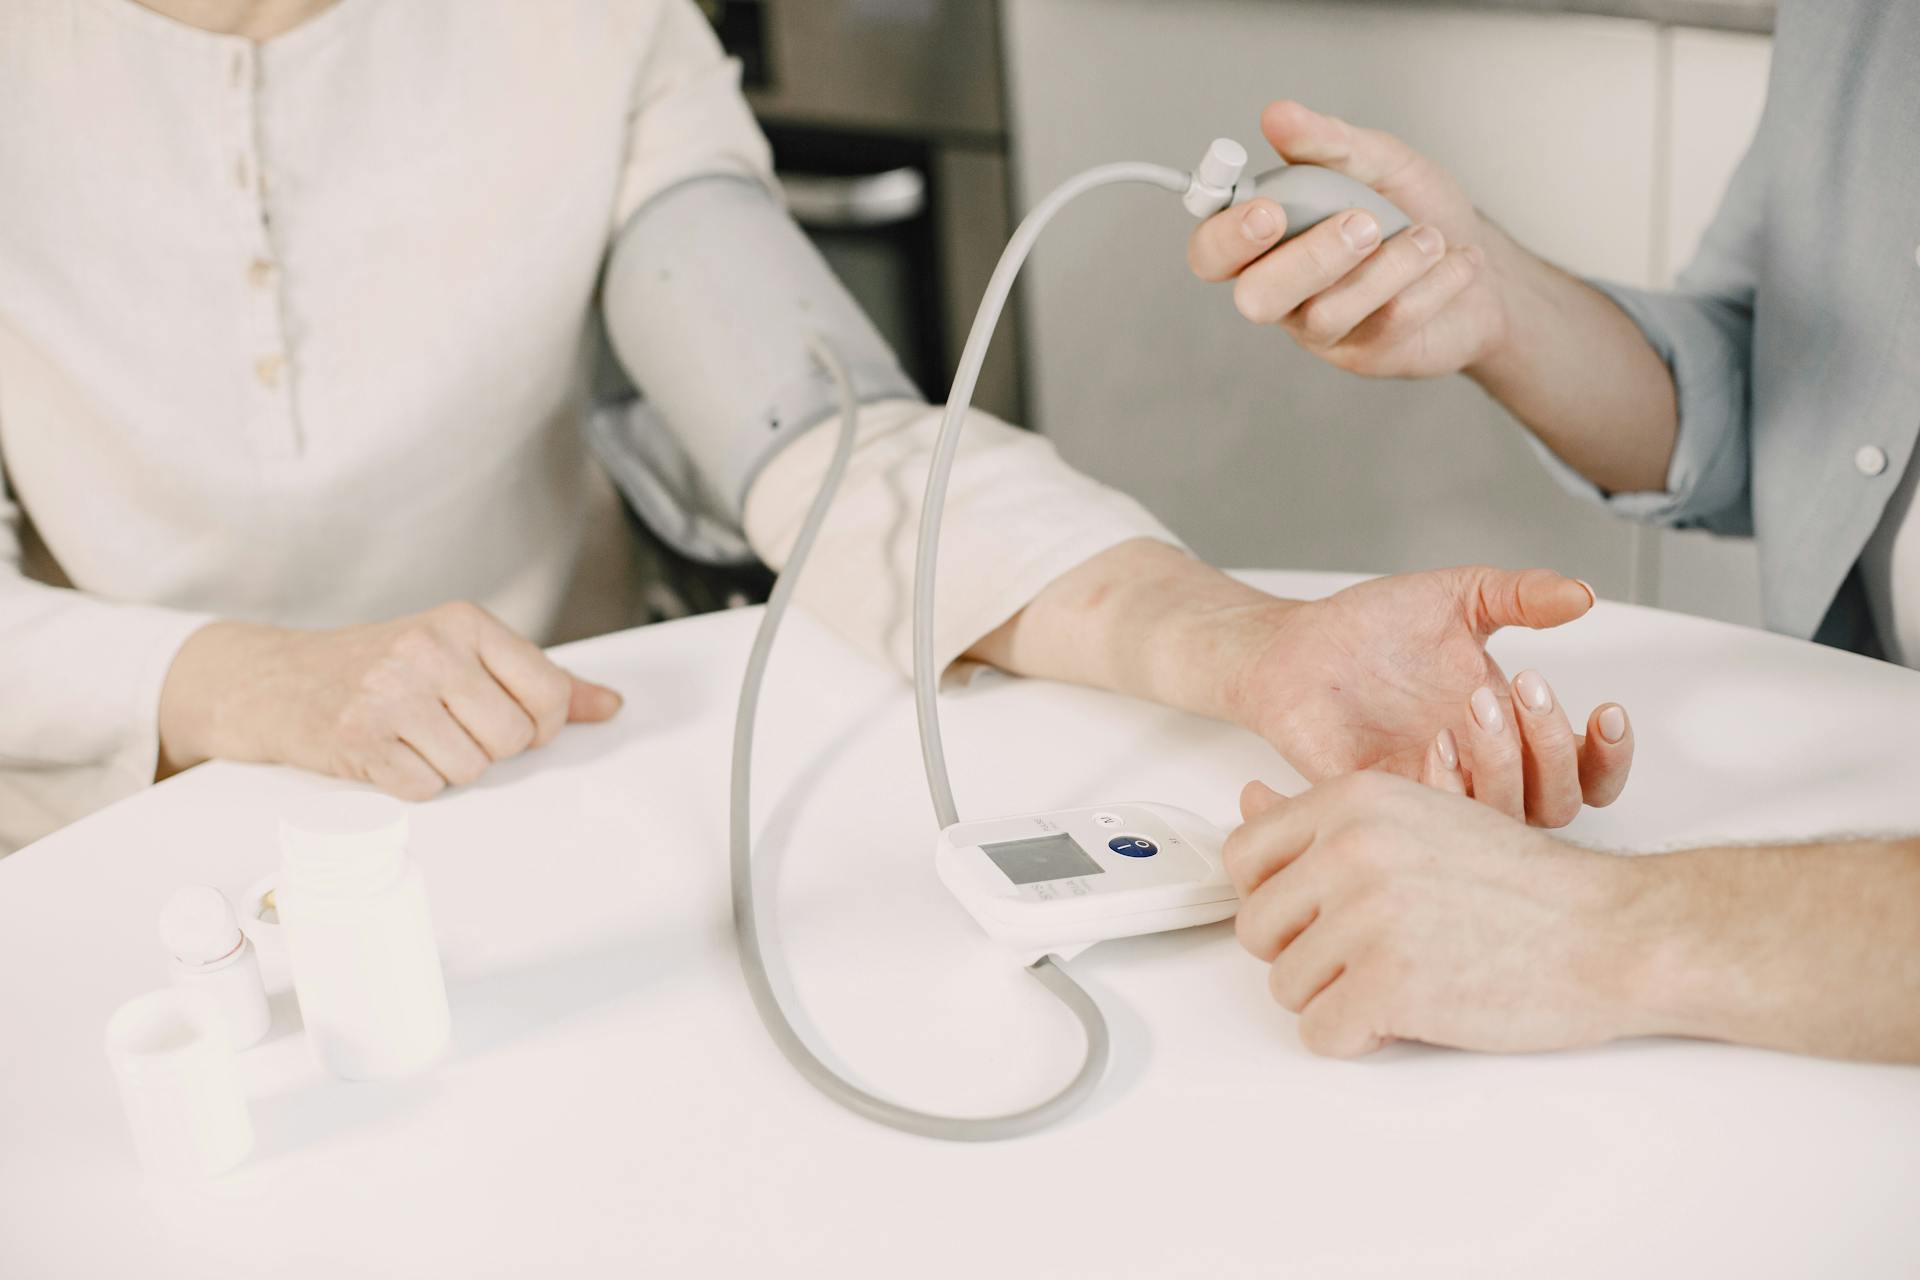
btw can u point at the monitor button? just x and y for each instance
(1133, 846)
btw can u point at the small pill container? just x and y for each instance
(210, 954)
(173, 1062)
(359, 936)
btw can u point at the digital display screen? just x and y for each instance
(1054, 857)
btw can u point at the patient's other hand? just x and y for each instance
(412, 706)
(1393, 674)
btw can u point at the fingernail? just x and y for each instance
(1533, 691)
(1449, 751)
(1593, 597)
(1613, 724)
(1486, 709)
(1431, 242)
(1475, 254)
(1359, 230)
(1259, 224)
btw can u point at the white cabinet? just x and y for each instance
(1251, 450)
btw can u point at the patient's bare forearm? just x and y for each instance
(1142, 618)
(1809, 948)
(1579, 374)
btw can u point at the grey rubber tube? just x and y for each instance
(740, 862)
(959, 399)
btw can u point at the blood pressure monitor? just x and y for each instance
(1059, 882)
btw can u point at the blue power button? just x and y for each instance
(1133, 846)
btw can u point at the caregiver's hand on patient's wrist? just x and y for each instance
(1391, 911)
(412, 706)
(1393, 674)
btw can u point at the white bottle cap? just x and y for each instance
(344, 843)
(197, 926)
(211, 955)
(1211, 188)
(1223, 164)
(174, 1065)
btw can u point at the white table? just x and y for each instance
(613, 1107)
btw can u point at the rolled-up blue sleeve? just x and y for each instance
(1703, 330)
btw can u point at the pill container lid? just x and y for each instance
(198, 926)
(343, 843)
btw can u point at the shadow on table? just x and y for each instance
(489, 1010)
(494, 1009)
(284, 1012)
(326, 1108)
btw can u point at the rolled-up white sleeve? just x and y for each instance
(80, 681)
(1017, 518)
(687, 118)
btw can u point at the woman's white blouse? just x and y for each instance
(296, 333)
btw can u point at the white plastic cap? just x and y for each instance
(1213, 179)
(1223, 164)
(344, 843)
(197, 926)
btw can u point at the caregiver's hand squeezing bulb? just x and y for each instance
(359, 937)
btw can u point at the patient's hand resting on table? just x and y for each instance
(412, 705)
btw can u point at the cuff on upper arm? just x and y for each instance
(1017, 519)
(1705, 344)
(708, 298)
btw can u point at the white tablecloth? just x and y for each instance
(613, 1107)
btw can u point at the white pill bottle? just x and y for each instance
(353, 909)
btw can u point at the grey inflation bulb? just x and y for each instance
(1310, 194)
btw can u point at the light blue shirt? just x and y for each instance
(1794, 335)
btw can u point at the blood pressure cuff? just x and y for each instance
(708, 296)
